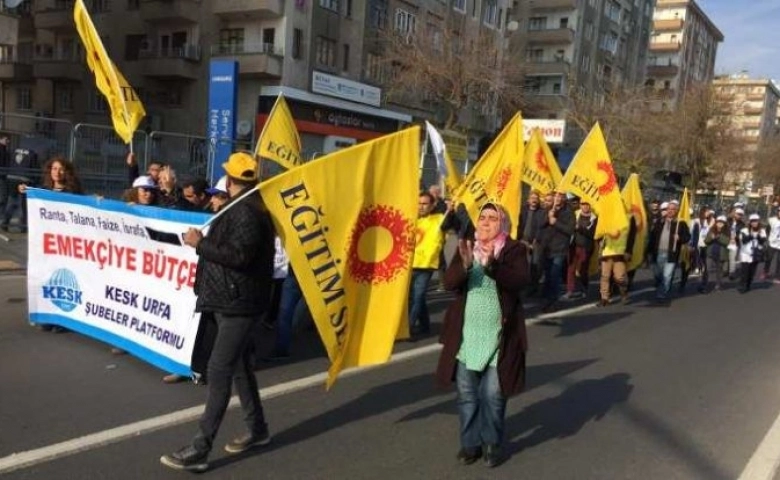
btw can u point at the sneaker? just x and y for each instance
(117, 351)
(186, 458)
(247, 441)
(173, 378)
(492, 456)
(467, 456)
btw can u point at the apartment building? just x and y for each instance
(594, 45)
(683, 46)
(755, 105)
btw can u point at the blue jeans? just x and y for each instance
(553, 277)
(664, 274)
(292, 296)
(418, 308)
(230, 362)
(481, 407)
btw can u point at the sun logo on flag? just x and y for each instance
(607, 187)
(381, 245)
(541, 161)
(503, 180)
(636, 211)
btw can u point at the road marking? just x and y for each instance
(765, 461)
(29, 458)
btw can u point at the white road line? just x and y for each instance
(29, 458)
(765, 461)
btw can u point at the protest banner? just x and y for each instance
(116, 272)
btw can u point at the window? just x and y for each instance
(325, 52)
(231, 40)
(297, 43)
(374, 68)
(560, 55)
(490, 13)
(537, 23)
(65, 98)
(134, 44)
(535, 55)
(96, 103)
(378, 14)
(585, 63)
(589, 31)
(564, 23)
(592, 3)
(269, 37)
(100, 6)
(330, 4)
(348, 8)
(609, 42)
(459, 5)
(612, 10)
(405, 22)
(556, 88)
(24, 98)
(345, 58)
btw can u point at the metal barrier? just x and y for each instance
(187, 154)
(99, 155)
(40, 137)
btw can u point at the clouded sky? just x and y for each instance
(751, 29)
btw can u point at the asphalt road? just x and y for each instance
(687, 391)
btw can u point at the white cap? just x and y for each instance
(739, 205)
(674, 202)
(219, 187)
(754, 216)
(664, 205)
(144, 181)
(721, 218)
(739, 211)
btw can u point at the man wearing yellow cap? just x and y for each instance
(233, 282)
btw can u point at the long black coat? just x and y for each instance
(510, 271)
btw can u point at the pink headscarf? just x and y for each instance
(500, 239)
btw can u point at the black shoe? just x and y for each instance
(247, 441)
(186, 459)
(4, 227)
(602, 303)
(467, 456)
(493, 456)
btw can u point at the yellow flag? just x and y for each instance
(684, 215)
(632, 197)
(127, 111)
(592, 178)
(497, 175)
(540, 169)
(350, 235)
(279, 140)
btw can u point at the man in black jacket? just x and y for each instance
(233, 282)
(554, 240)
(666, 241)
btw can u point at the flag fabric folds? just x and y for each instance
(279, 140)
(592, 178)
(632, 197)
(444, 163)
(540, 169)
(497, 175)
(347, 221)
(127, 111)
(684, 215)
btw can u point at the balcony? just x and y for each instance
(552, 5)
(13, 68)
(656, 71)
(60, 66)
(557, 66)
(182, 63)
(670, 25)
(756, 96)
(254, 60)
(55, 16)
(248, 9)
(551, 36)
(171, 11)
(668, 46)
(752, 110)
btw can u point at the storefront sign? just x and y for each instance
(345, 89)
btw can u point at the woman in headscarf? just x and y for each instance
(484, 338)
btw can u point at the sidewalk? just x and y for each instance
(13, 252)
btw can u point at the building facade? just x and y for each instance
(683, 47)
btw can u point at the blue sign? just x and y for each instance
(223, 104)
(63, 290)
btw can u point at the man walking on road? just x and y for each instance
(233, 283)
(666, 241)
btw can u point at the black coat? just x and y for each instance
(236, 261)
(556, 239)
(673, 251)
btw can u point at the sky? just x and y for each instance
(751, 43)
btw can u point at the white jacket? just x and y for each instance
(774, 232)
(750, 242)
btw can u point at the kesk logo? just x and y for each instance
(381, 245)
(63, 290)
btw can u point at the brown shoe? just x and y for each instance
(117, 351)
(173, 378)
(602, 303)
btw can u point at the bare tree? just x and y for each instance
(768, 162)
(451, 69)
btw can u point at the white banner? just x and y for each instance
(115, 272)
(552, 130)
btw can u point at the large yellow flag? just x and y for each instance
(592, 178)
(540, 169)
(632, 197)
(279, 140)
(497, 175)
(347, 221)
(444, 163)
(684, 215)
(127, 111)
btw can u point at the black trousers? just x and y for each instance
(748, 273)
(230, 363)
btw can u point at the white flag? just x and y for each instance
(438, 148)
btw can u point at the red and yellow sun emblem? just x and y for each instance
(381, 245)
(504, 176)
(636, 211)
(541, 161)
(611, 182)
